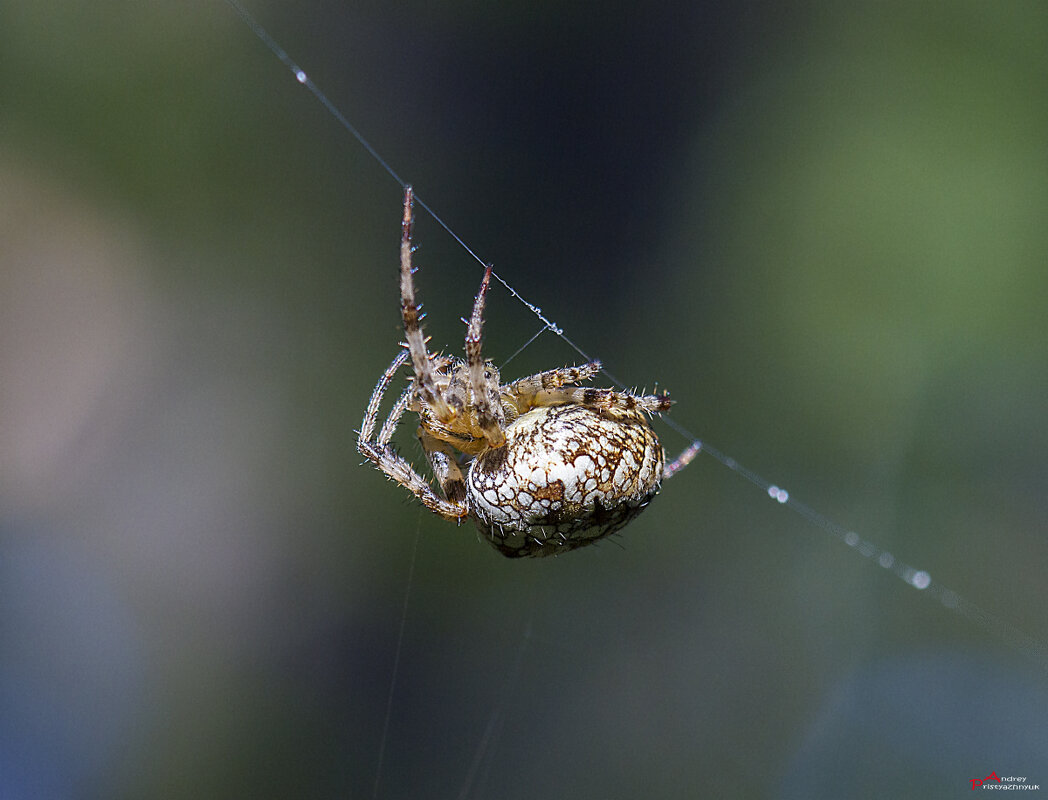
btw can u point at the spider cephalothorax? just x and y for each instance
(540, 464)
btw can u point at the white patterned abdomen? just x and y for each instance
(566, 477)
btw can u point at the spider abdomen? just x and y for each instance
(567, 476)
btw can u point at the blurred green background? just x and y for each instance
(821, 226)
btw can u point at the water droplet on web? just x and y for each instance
(921, 580)
(775, 493)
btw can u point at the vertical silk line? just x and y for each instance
(384, 736)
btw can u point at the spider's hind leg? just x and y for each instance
(607, 401)
(681, 461)
(523, 392)
(613, 401)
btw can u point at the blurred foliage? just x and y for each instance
(820, 226)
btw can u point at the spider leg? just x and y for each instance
(681, 461)
(409, 308)
(606, 400)
(395, 414)
(386, 459)
(395, 467)
(521, 393)
(482, 401)
(442, 459)
(371, 415)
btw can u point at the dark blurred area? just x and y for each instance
(822, 227)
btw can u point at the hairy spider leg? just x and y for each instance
(367, 428)
(486, 419)
(444, 461)
(409, 308)
(441, 455)
(521, 393)
(399, 470)
(547, 389)
(393, 420)
(607, 400)
(389, 462)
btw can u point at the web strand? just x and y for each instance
(384, 737)
(916, 578)
(491, 730)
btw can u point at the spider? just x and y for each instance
(541, 465)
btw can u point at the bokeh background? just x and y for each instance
(821, 226)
